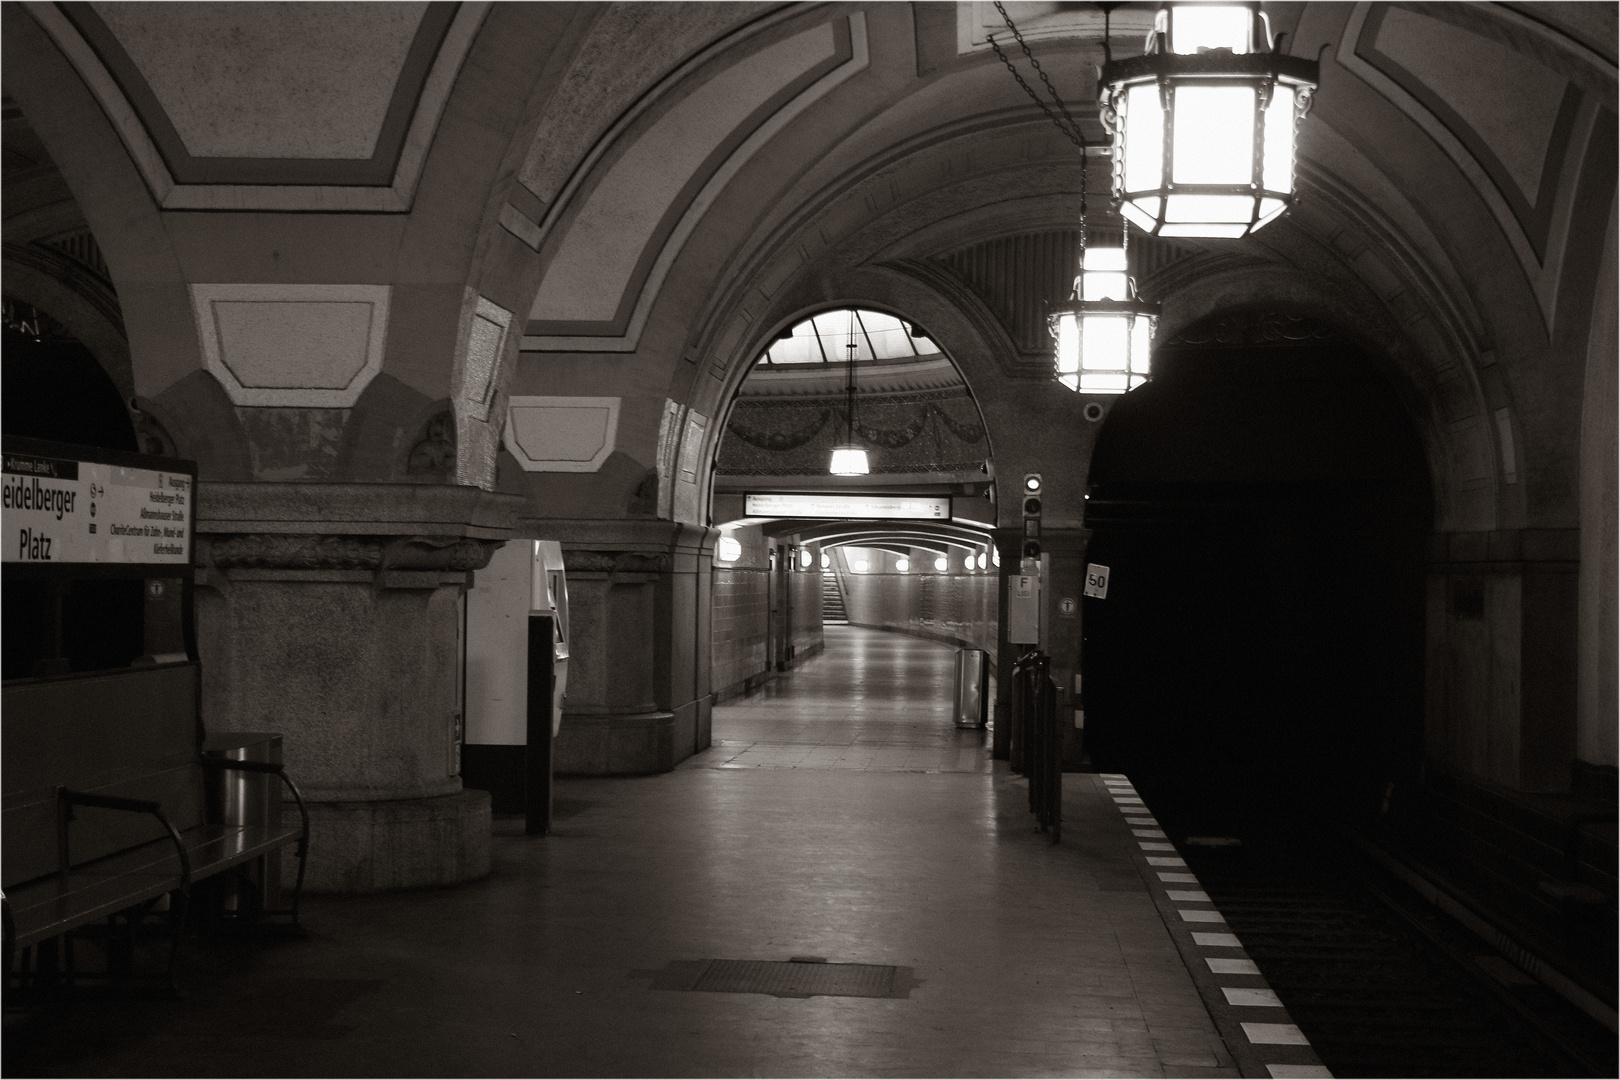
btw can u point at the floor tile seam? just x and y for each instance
(1261, 1037)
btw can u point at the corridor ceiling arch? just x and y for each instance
(914, 414)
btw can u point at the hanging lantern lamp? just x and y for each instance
(1204, 122)
(849, 458)
(1104, 333)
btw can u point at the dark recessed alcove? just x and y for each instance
(1264, 507)
(54, 389)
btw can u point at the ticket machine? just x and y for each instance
(516, 677)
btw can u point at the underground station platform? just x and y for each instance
(844, 884)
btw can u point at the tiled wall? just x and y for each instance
(741, 614)
(805, 589)
(956, 607)
(741, 607)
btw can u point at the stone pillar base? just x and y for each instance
(364, 847)
(627, 744)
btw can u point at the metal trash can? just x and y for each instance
(249, 799)
(972, 677)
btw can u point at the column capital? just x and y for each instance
(374, 510)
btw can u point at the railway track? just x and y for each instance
(1381, 983)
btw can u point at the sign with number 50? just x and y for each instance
(1097, 580)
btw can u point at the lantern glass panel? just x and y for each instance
(1102, 274)
(1278, 171)
(1269, 209)
(1196, 27)
(1214, 135)
(1104, 382)
(1068, 345)
(1141, 345)
(1144, 138)
(1205, 229)
(1104, 258)
(1106, 342)
(1141, 213)
(1233, 208)
(1104, 286)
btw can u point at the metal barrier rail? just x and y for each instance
(1037, 740)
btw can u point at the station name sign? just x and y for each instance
(869, 507)
(65, 510)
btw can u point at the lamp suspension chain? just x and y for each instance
(1066, 124)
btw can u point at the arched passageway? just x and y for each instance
(1264, 508)
(904, 543)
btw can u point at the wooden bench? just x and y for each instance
(105, 808)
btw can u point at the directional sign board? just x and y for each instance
(67, 506)
(860, 507)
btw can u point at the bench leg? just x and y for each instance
(179, 907)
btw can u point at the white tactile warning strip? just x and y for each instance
(1246, 1011)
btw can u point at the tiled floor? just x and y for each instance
(898, 845)
(872, 701)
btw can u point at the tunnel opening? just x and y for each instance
(1264, 507)
(902, 545)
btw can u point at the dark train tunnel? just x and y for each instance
(1264, 507)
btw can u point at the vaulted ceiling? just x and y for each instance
(633, 199)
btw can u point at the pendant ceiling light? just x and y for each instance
(1204, 122)
(849, 458)
(1103, 333)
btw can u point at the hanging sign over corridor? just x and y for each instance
(60, 508)
(865, 507)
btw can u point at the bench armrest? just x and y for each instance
(70, 799)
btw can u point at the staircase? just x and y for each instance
(832, 601)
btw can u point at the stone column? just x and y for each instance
(1501, 665)
(1066, 580)
(331, 613)
(639, 699)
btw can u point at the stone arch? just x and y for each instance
(740, 371)
(958, 325)
(1460, 455)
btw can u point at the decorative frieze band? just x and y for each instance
(302, 551)
(617, 562)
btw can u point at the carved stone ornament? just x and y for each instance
(1256, 329)
(302, 551)
(617, 562)
(435, 454)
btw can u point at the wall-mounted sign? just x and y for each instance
(1067, 607)
(863, 507)
(59, 508)
(1024, 609)
(1097, 580)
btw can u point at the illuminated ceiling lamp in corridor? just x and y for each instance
(849, 459)
(1204, 122)
(1203, 126)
